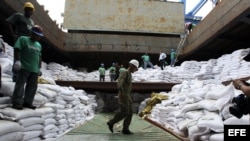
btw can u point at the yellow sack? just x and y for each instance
(155, 99)
(42, 81)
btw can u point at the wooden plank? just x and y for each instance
(165, 129)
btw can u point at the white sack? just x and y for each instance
(14, 136)
(217, 137)
(244, 120)
(5, 100)
(9, 127)
(212, 121)
(33, 127)
(30, 121)
(7, 88)
(31, 134)
(19, 114)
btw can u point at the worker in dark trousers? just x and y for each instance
(189, 27)
(125, 101)
(117, 68)
(162, 60)
(172, 57)
(20, 24)
(112, 72)
(101, 73)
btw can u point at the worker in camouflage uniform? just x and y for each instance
(124, 84)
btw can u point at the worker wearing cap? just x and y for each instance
(28, 51)
(124, 84)
(20, 24)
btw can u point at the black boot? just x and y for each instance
(29, 106)
(127, 132)
(110, 126)
(18, 107)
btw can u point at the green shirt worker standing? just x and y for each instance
(172, 57)
(122, 69)
(146, 61)
(28, 63)
(124, 84)
(102, 72)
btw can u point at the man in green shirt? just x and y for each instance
(146, 61)
(28, 63)
(122, 69)
(102, 72)
(172, 57)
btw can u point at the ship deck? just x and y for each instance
(97, 130)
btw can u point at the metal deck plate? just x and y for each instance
(97, 130)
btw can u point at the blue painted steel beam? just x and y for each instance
(197, 8)
(190, 17)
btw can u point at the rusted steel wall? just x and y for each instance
(125, 15)
(119, 43)
(52, 34)
(220, 19)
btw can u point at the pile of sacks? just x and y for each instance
(59, 109)
(226, 67)
(197, 110)
(198, 107)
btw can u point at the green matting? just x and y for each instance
(96, 129)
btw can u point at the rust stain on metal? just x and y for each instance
(163, 20)
(125, 15)
(130, 10)
(120, 9)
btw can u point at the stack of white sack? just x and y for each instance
(226, 67)
(198, 111)
(59, 109)
(60, 72)
(148, 75)
(71, 108)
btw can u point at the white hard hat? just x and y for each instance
(134, 62)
